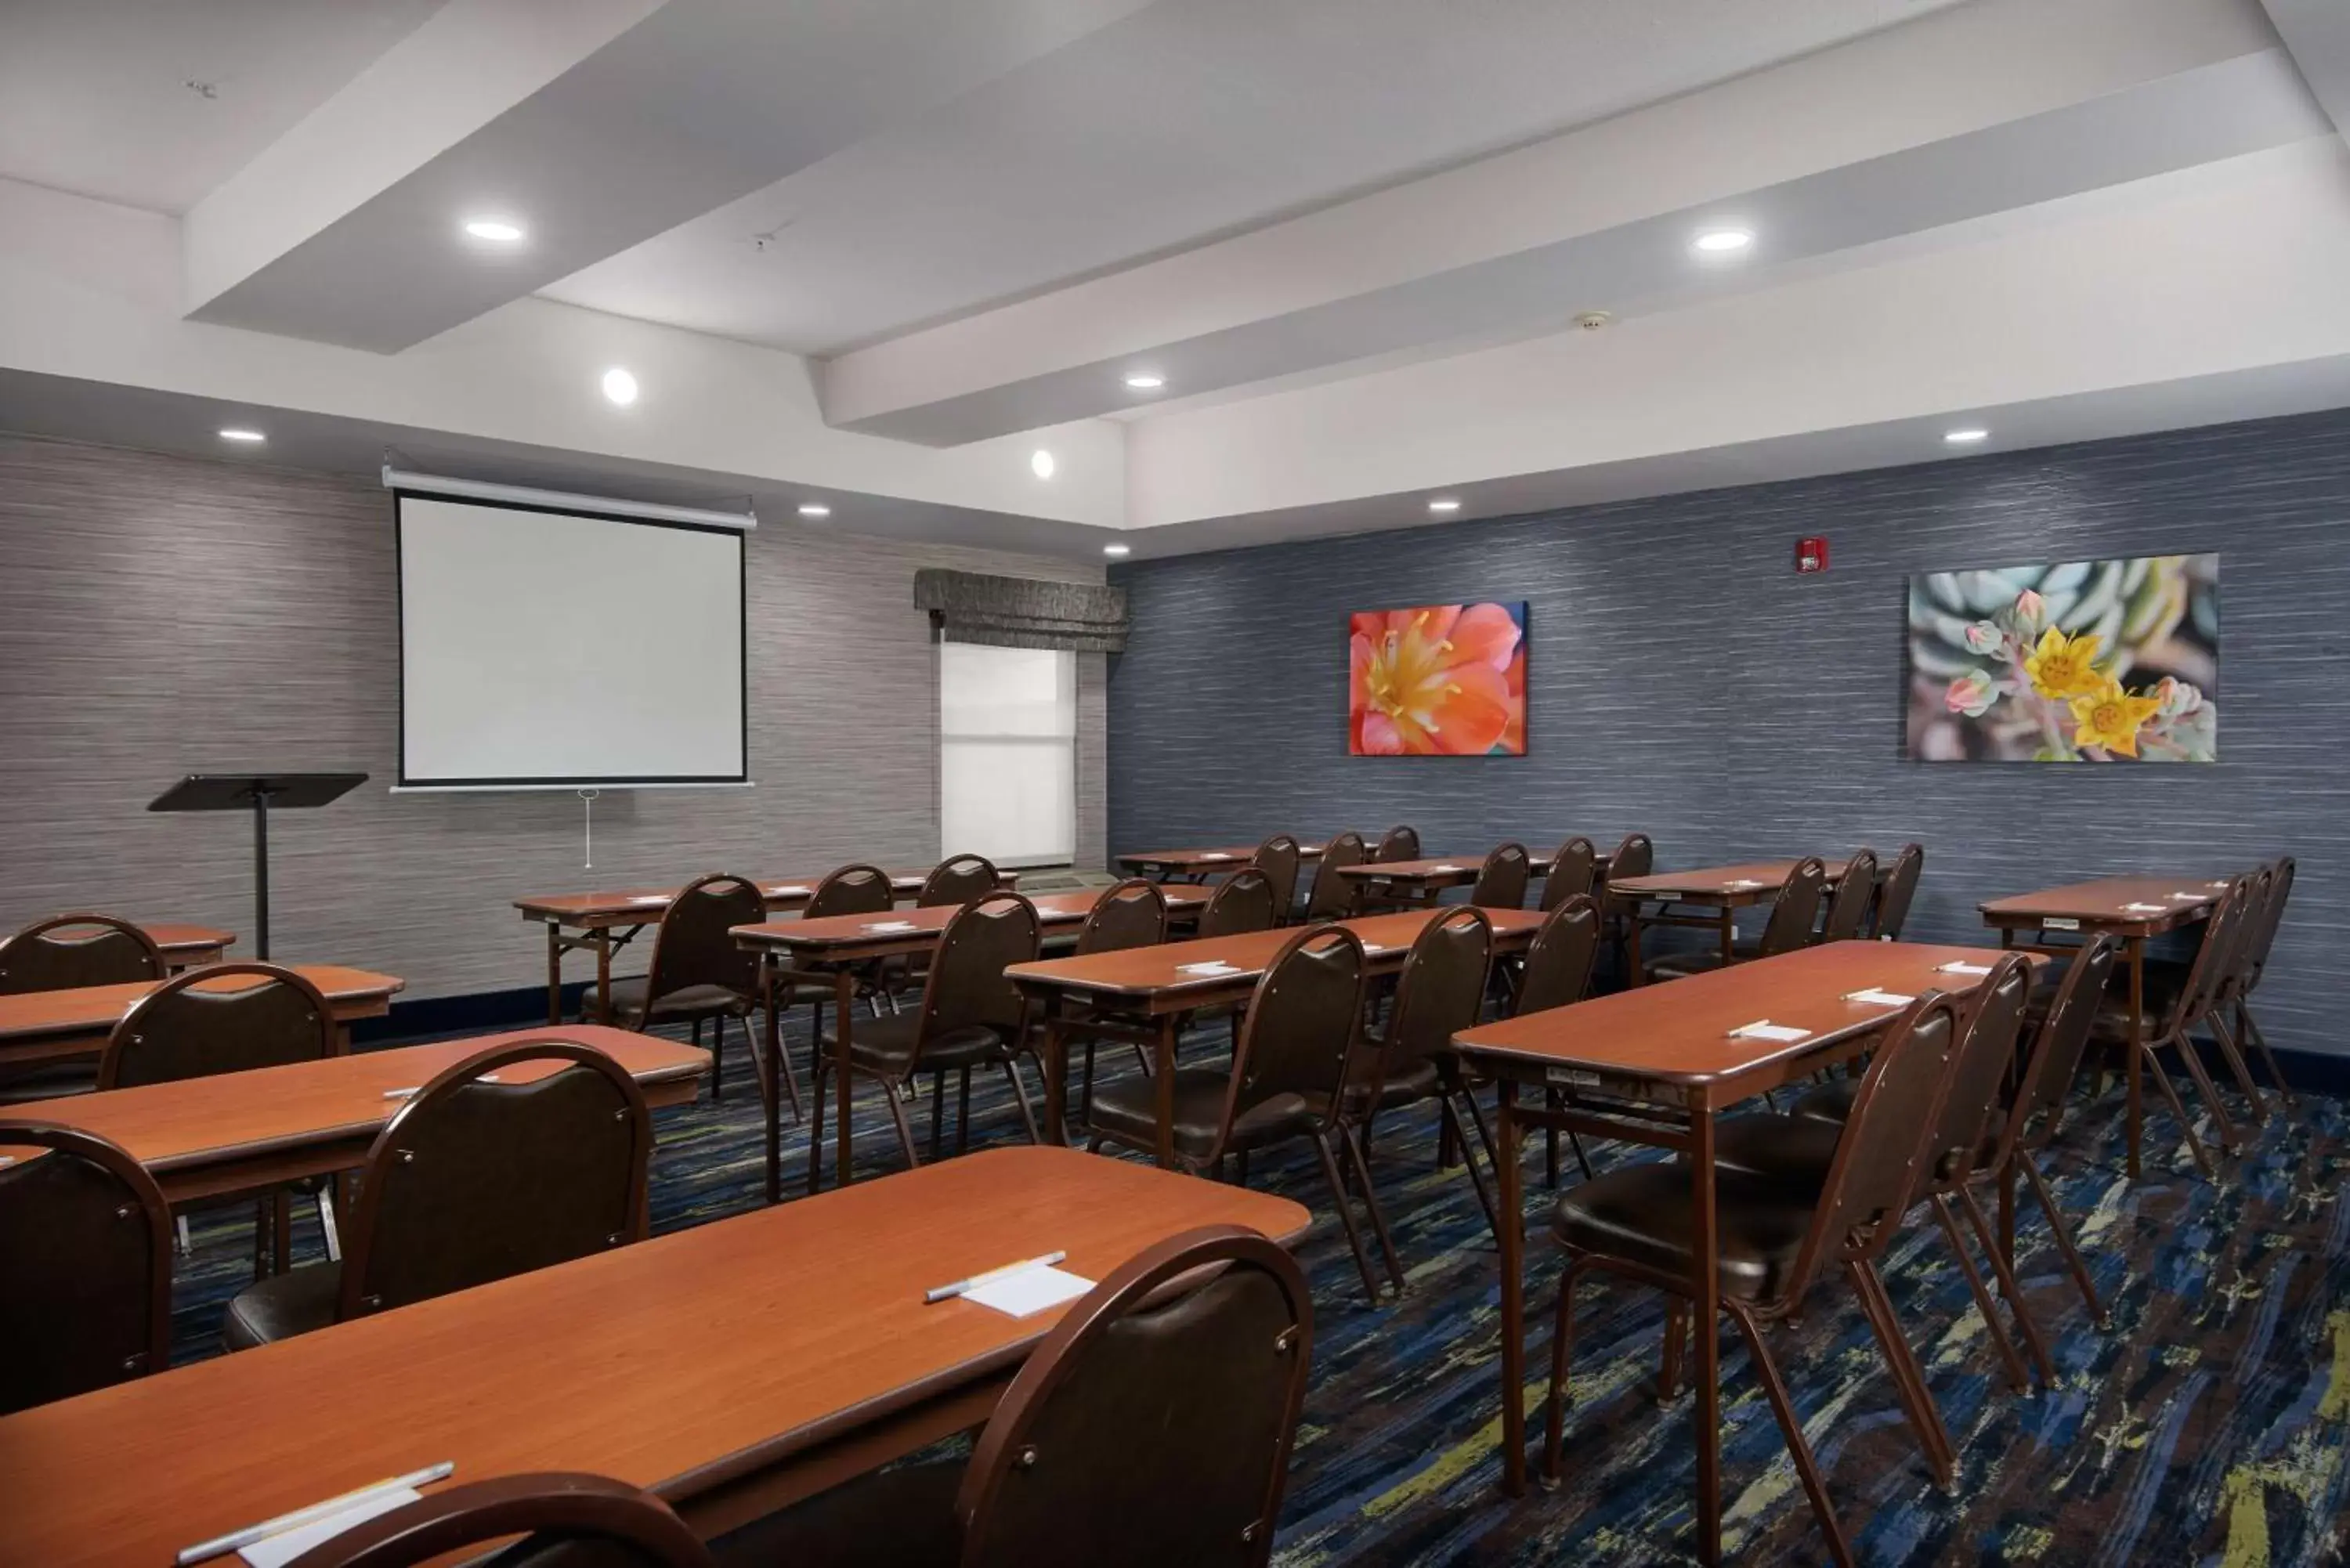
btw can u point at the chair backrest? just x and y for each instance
(965, 985)
(475, 1181)
(88, 1240)
(1298, 1035)
(1573, 871)
(1856, 889)
(852, 889)
(958, 880)
(1559, 961)
(67, 950)
(566, 1522)
(186, 1029)
(1636, 857)
(2244, 952)
(1878, 1157)
(1441, 989)
(1243, 902)
(2264, 934)
(1151, 1434)
(1502, 880)
(1131, 914)
(694, 947)
(1900, 888)
(1982, 1062)
(2055, 1055)
(1398, 842)
(1334, 896)
(1795, 910)
(2214, 962)
(1278, 857)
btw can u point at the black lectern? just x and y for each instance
(258, 792)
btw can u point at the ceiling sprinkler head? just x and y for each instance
(1593, 320)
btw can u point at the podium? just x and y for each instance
(257, 793)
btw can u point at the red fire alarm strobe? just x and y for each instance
(1811, 554)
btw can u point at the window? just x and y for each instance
(1008, 753)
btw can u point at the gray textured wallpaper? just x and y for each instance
(162, 616)
(1683, 681)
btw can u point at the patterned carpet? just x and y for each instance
(2208, 1427)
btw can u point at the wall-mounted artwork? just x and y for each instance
(2101, 662)
(1438, 680)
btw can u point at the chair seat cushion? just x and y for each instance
(1681, 966)
(1792, 1153)
(1404, 1086)
(887, 1045)
(1127, 1109)
(682, 1005)
(53, 1081)
(282, 1306)
(1641, 1214)
(901, 1518)
(1831, 1102)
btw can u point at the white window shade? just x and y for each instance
(1008, 753)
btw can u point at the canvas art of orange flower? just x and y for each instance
(1438, 680)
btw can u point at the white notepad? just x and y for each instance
(1764, 1029)
(1213, 966)
(1741, 884)
(2146, 908)
(286, 1547)
(1030, 1291)
(1877, 998)
(1444, 869)
(793, 891)
(648, 899)
(1373, 948)
(2188, 898)
(1959, 966)
(888, 925)
(1216, 857)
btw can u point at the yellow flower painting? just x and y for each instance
(2096, 662)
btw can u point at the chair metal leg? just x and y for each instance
(962, 1113)
(2017, 1379)
(2230, 1140)
(281, 1231)
(717, 1059)
(186, 1240)
(1345, 1215)
(1562, 1352)
(2034, 1343)
(2064, 1234)
(938, 1116)
(1908, 1378)
(905, 1129)
(2251, 1029)
(816, 1078)
(2178, 1108)
(1668, 1369)
(1807, 1466)
(2238, 1068)
(1019, 1097)
(1451, 1119)
(328, 1201)
(1370, 1201)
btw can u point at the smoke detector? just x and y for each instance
(1593, 320)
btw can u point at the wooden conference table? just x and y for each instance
(586, 922)
(1656, 1066)
(185, 947)
(50, 1025)
(234, 1132)
(2129, 908)
(1724, 890)
(1421, 880)
(734, 1369)
(1193, 865)
(1152, 984)
(828, 953)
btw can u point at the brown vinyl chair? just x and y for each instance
(1278, 858)
(968, 1016)
(1775, 1242)
(1502, 880)
(1848, 906)
(1556, 972)
(1893, 900)
(1290, 1062)
(1243, 902)
(1635, 856)
(1574, 872)
(87, 1238)
(1145, 1431)
(189, 1027)
(1440, 992)
(565, 1521)
(2257, 952)
(957, 881)
(1133, 914)
(2250, 933)
(1333, 897)
(1400, 842)
(698, 975)
(484, 1174)
(1795, 912)
(856, 888)
(63, 952)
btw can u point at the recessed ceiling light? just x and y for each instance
(619, 386)
(1146, 380)
(1722, 242)
(238, 433)
(1041, 463)
(497, 230)
(1444, 504)
(1118, 549)
(1967, 437)
(816, 509)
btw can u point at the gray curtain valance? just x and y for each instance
(1016, 612)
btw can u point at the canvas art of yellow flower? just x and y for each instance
(2063, 667)
(2112, 718)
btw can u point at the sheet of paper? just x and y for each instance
(1959, 966)
(1742, 885)
(1764, 1029)
(889, 926)
(1877, 998)
(285, 1548)
(1216, 857)
(1444, 869)
(789, 891)
(651, 899)
(1373, 948)
(1030, 1291)
(2188, 898)
(2147, 909)
(1211, 966)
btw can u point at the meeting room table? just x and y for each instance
(234, 1132)
(1656, 1066)
(1198, 865)
(1422, 881)
(830, 951)
(1164, 984)
(733, 1368)
(56, 1026)
(188, 947)
(1721, 890)
(2131, 909)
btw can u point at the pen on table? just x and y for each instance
(405, 1093)
(963, 1287)
(237, 1540)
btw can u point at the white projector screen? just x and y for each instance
(542, 648)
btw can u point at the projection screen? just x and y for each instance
(544, 648)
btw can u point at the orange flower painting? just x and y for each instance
(1438, 680)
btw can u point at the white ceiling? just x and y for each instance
(1186, 122)
(94, 96)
